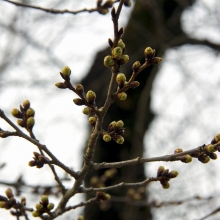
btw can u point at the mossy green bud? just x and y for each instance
(121, 44)
(122, 96)
(124, 59)
(186, 158)
(178, 150)
(16, 113)
(112, 126)
(204, 158)
(119, 139)
(136, 66)
(26, 104)
(61, 85)
(50, 206)
(119, 124)
(165, 185)
(21, 123)
(216, 139)
(103, 11)
(92, 120)
(149, 53)
(213, 156)
(134, 84)
(172, 174)
(39, 206)
(79, 88)
(30, 112)
(160, 171)
(109, 61)
(30, 122)
(78, 101)
(9, 193)
(156, 60)
(117, 53)
(66, 71)
(210, 148)
(35, 213)
(120, 79)
(44, 199)
(91, 96)
(106, 137)
(87, 111)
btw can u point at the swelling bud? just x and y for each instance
(66, 71)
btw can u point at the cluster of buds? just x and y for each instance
(115, 130)
(65, 74)
(137, 194)
(103, 8)
(98, 182)
(186, 158)
(25, 115)
(150, 56)
(38, 160)
(165, 176)
(43, 206)
(117, 54)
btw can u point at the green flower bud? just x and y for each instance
(106, 137)
(119, 124)
(78, 101)
(102, 196)
(35, 213)
(66, 71)
(92, 120)
(109, 61)
(79, 88)
(39, 206)
(103, 11)
(172, 174)
(124, 59)
(112, 126)
(122, 96)
(21, 123)
(30, 122)
(16, 113)
(160, 171)
(30, 112)
(121, 44)
(26, 104)
(149, 53)
(178, 150)
(216, 139)
(61, 85)
(134, 84)
(210, 148)
(136, 66)
(156, 60)
(186, 158)
(50, 206)
(44, 199)
(119, 139)
(165, 184)
(117, 53)
(120, 79)
(9, 193)
(204, 158)
(87, 111)
(91, 96)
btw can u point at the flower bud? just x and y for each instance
(160, 171)
(78, 101)
(134, 84)
(119, 124)
(106, 137)
(136, 66)
(79, 88)
(30, 122)
(87, 111)
(103, 11)
(213, 156)
(32, 163)
(112, 126)
(39, 206)
(149, 53)
(50, 206)
(216, 139)
(92, 120)
(120, 79)
(122, 96)
(9, 193)
(121, 44)
(156, 60)
(91, 96)
(204, 158)
(30, 112)
(108, 4)
(80, 217)
(44, 199)
(21, 123)
(124, 59)
(210, 148)
(109, 61)
(66, 71)
(26, 104)
(172, 174)
(117, 53)
(119, 139)
(35, 213)
(61, 85)
(186, 158)
(16, 113)
(178, 150)
(102, 196)
(165, 184)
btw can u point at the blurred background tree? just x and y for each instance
(180, 100)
